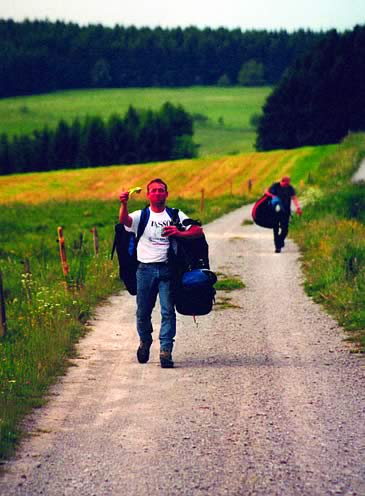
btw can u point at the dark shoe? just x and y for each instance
(166, 359)
(143, 352)
(277, 250)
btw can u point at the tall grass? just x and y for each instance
(331, 235)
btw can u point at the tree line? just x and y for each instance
(143, 136)
(43, 56)
(321, 98)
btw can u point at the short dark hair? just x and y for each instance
(156, 180)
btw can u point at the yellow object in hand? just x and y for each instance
(135, 190)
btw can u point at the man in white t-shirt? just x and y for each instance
(155, 275)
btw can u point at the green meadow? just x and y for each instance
(331, 236)
(227, 130)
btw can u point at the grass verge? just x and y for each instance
(331, 236)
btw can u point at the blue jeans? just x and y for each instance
(153, 279)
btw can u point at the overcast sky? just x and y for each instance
(244, 14)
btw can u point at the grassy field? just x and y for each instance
(232, 107)
(186, 178)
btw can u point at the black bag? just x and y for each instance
(194, 292)
(125, 244)
(266, 211)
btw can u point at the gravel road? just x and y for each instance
(359, 176)
(266, 398)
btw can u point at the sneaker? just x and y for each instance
(166, 359)
(143, 352)
(277, 250)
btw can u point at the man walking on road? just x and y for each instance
(155, 273)
(285, 192)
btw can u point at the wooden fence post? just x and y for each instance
(26, 266)
(249, 185)
(61, 241)
(96, 240)
(3, 327)
(202, 201)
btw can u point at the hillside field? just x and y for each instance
(228, 130)
(186, 178)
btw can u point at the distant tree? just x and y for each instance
(22, 154)
(224, 80)
(255, 120)
(100, 74)
(95, 142)
(142, 136)
(75, 136)
(184, 147)
(61, 155)
(52, 56)
(132, 122)
(5, 161)
(320, 98)
(118, 139)
(148, 140)
(43, 153)
(251, 74)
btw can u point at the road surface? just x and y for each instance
(266, 398)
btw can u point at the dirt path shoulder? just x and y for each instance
(265, 399)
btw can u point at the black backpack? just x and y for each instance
(266, 211)
(194, 290)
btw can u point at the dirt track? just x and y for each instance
(265, 399)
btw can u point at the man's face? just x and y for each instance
(285, 182)
(157, 193)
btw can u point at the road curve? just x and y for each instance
(359, 175)
(266, 398)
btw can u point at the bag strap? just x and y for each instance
(174, 214)
(143, 221)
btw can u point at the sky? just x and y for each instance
(245, 14)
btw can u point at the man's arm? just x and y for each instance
(297, 205)
(124, 217)
(194, 232)
(269, 193)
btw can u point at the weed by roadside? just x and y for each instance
(227, 283)
(331, 235)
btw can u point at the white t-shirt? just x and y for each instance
(153, 247)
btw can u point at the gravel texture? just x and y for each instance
(359, 176)
(266, 398)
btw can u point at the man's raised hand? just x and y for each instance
(124, 197)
